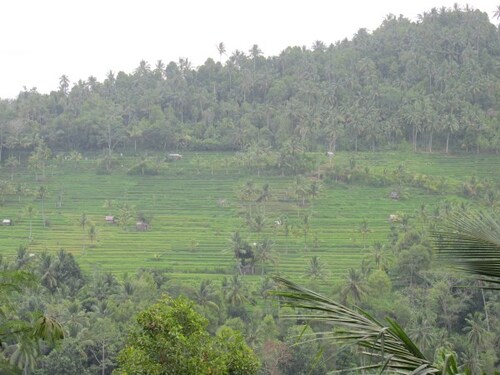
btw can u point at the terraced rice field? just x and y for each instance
(190, 230)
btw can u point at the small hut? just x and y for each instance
(394, 195)
(7, 222)
(110, 219)
(141, 226)
(393, 218)
(175, 156)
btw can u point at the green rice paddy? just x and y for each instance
(190, 230)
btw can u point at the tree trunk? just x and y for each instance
(485, 311)
(43, 213)
(415, 134)
(447, 141)
(103, 372)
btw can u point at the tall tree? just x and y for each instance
(221, 48)
(172, 339)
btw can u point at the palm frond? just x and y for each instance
(48, 328)
(388, 346)
(471, 242)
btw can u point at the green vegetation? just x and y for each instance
(173, 340)
(432, 83)
(193, 214)
(126, 200)
(216, 228)
(471, 241)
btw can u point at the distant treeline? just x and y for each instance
(431, 84)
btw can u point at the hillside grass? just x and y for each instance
(190, 230)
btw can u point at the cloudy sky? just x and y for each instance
(42, 40)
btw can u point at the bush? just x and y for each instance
(142, 168)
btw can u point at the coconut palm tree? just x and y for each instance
(30, 212)
(92, 234)
(47, 269)
(496, 13)
(354, 286)
(23, 335)
(12, 163)
(235, 291)
(83, 220)
(255, 52)
(205, 295)
(41, 194)
(264, 253)
(315, 269)
(476, 331)
(221, 48)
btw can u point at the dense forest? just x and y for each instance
(408, 87)
(432, 84)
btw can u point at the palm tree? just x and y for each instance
(30, 212)
(12, 163)
(83, 220)
(305, 228)
(314, 188)
(41, 194)
(92, 234)
(424, 333)
(22, 258)
(23, 335)
(364, 230)
(476, 331)
(315, 269)
(354, 286)
(64, 84)
(255, 52)
(301, 190)
(24, 356)
(221, 48)
(160, 68)
(235, 290)
(205, 295)
(319, 46)
(265, 194)
(264, 253)
(48, 273)
(496, 13)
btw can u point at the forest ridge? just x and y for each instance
(432, 83)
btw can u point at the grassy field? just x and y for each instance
(190, 230)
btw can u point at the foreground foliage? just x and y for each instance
(172, 339)
(471, 242)
(387, 345)
(20, 336)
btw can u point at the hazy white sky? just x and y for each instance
(42, 40)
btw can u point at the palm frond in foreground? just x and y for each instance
(471, 242)
(389, 346)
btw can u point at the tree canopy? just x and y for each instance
(432, 83)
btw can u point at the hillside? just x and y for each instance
(432, 84)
